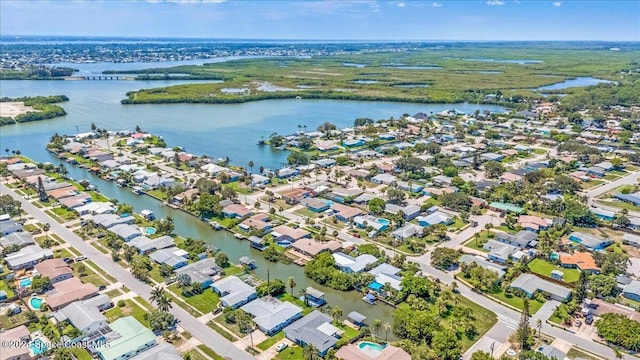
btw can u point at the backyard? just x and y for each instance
(204, 302)
(129, 308)
(544, 268)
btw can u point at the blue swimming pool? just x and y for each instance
(370, 348)
(328, 202)
(38, 346)
(149, 231)
(25, 282)
(35, 302)
(384, 221)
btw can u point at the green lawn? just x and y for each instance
(620, 205)
(539, 151)
(80, 353)
(457, 224)
(113, 293)
(574, 354)
(61, 253)
(210, 353)
(5, 287)
(294, 300)
(89, 275)
(290, 353)
(205, 302)
(9, 322)
(483, 237)
(130, 308)
(234, 270)
(591, 184)
(306, 212)
(611, 177)
(271, 341)
(485, 320)
(65, 213)
(518, 302)
(215, 325)
(543, 267)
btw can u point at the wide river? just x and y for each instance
(216, 130)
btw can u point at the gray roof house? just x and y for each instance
(552, 352)
(234, 292)
(84, 316)
(20, 239)
(201, 271)
(483, 263)
(522, 239)
(174, 257)
(498, 251)
(530, 284)
(630, 239)
(349, 264)
(410, 212)
(311, 330)
(632, 291)
(589, 241)
(110, 220)
(27, 257)
(387, 274)
(146, 245)
(125, 232)
(406, 231)
(162, 351)
(386, 179)
(8, 227)
(272, 315)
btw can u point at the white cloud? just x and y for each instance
(557, 3)
(401, 4)
(436, 4)
(495, 2)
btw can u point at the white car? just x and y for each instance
(281, 347)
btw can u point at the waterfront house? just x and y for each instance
(582, 261)
(632, 291)
(314, 297)
(259, 222)
(173, 256)
(272, 315)
(234, 292)
(314, 329)
(94, 208)
(144, 245)
(202, 271)
(385, 274)
(522, 239)
(406, 232)
(377, 224)
(237, 211)
(17, 240)
(126, 232)
(17, 335)
(62, 193)
(27, 257)
(187, 194)
(530, 284)
(110, 220)
(287, 173)
(311, 248)
(350, 264)
(75, 201)
(128, 338)
(284, 232)
(437, 217)
(55, 269)
(483, 263)
(257, 243)
(591, 242)
(356, 318)
(67, 291)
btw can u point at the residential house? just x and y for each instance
(75, 201)
(126, 232)
(441, 180)
(55, 269)
(324, 163)
(591, 242)
(342, 195)
(110, 220)
(388, 352)
(312, 248)
(272, 315)
(582, 261)
(491, 157)
(234, 292)
(27, 257)
(67, 291)
(632, 291)
(17, 240)
(406, 186)
(386, 179)
(533, 223)
(630, 239)
(257, 243)
(144, 245)
(314, 329)
(350, 264)
(315, 204)
(238, 211)
(385, 274)
(371, 221)
(259, 180)
(294, 196)
(605, 215)
(406, 232)
(94, 208)
(283, 232)
(434, 218)
(505, 207)
(522, 239)
(173, 256)
(84, 315)
(530, 284)
(127, 339)
(345, 213)
(483, 263)
(498, 251)
(409, 212)
(16, 335)
(9, 227)
(187, 194)
(259, 222)
(201, 271)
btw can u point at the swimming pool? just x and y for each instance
(328, 202)
(35, 302)
(370, 348)
(149, 231)
(37, 346)
(384, 221)
(25, 282)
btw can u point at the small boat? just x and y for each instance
(121, 182)
(215, 225)
(137, 190)
(238, 236)
(369, 299)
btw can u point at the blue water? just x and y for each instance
(149, 231)
(365, 82)
(370, 345)
(38, 347)
(384, 221)
(416, 67)
(577, 82)
(35, 302)
(26, 282)
(508, 61)
(328, 202)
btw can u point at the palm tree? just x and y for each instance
(539, 326)
(377, 325)
(292, 283)
(336, 313)
(46, 227)
(251, 167)
(159, 296)
(386, 326)
(7, 151)
(310, 352)
(303, 293)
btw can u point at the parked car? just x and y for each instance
(589, 319)
(102, 287)
(577, 323)
(474, 224)
(281, 347)
(81, 258)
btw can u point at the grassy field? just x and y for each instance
(215, 325)
(306, 212)
(620, 205)
(271, 341)
(205, 302)
(130, 308)
(3, 286)
(482, 238)
(543, 267)
(326, 77)
(210, 353)
(291, 353)
(518, 302)
(89, 275)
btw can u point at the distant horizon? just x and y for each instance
(328, 20)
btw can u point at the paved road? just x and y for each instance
(200, 331)
(630, 179)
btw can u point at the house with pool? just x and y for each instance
(350, 264)
(377, 224)
(385, 274)
(55, 269)
(437, 217)
(85, 315)
(366, 350)
(202, 271)
(19, 334)
(591, 242)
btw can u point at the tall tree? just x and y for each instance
(580, 291)
(292, 283)
(42, 193)
(523, 333)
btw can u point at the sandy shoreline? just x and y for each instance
(12, 109)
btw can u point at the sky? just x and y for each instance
(408, 20)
